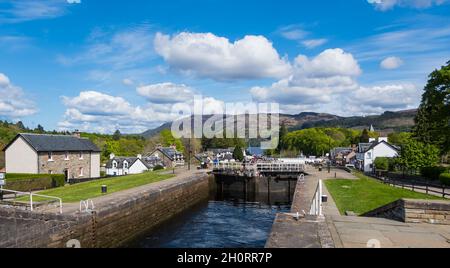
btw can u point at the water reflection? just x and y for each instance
(239, 214)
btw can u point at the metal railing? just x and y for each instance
(415, 185)
(88, 206)
(316, 204)
(31, 195)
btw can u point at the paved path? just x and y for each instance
(363, 232)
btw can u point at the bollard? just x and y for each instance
(104, 189)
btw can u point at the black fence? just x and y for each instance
(416, 185)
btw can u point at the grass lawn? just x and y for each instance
(92, 189)
(366, 194)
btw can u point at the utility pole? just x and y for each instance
(189, 154)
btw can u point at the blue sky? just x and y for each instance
(100, 65)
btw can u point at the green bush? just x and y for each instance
(382, 163)
(445, 178)
(432, 172)
(158, 167)
(33, 182)
(102, 174)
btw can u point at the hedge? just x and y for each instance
(445, 178)
(432, 172)
(33, 182)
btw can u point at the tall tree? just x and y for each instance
(416, 155)
(433, 117)
(283, 132)
(238, 153)
(117, 135)
(40, 129)
(365, 136)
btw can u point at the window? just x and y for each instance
(125, 164)
(81, 155)
(50, 156)
(81, 172)
(50, 172)
(114, 164)
(66, 156)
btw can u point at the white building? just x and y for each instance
(121, 166)
(368, 152)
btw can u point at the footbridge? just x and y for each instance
(277, 169)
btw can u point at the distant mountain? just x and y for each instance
(386, 122)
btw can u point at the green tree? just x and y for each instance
(117, 135)
(400, 139)
(416, 155)
(40, 129)
(238, 153)
(168, 139)
(365, 136)
(283, 132)
(382, 163)
(433, 117)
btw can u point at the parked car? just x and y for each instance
(350, 166)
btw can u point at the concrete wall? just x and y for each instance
(111, 225)
(21, 158)
(415, 211)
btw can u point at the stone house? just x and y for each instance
(168, 156)
(73, 156)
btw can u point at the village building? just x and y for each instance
(169, 157)
(369, 152)
(73, 156)
(121, 166)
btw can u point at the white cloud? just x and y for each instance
(94, 111)
(210, 56)
(328, 83)
(384, 5)
(391, 63)
(313, 43)
(128, 82)
(166, 93)
(293, 32)
(115, 50)
(13, 102)
(378, 99)
(314, 80)
(17, 11)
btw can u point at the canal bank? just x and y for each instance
(117, 218)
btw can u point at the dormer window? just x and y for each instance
(125, 164)
(114, 164)
(66, 156)
(50, 156)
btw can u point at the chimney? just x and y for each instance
(139, 156)
(76, 134)
(112, 156)
(173, 146)
(372, 140)
(381, 139)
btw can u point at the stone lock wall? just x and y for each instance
(415, 211)
(112, 225)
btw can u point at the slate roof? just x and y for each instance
(56, 143)
(169, 152)
(121, 160)
(378, 143)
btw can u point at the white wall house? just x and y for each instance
(380, 148)
(121, 166)
(71, 155)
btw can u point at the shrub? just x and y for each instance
(445, 178)
(158, 167)
(33, 182)
(102, 174)
(432, 172)
(382, 163)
